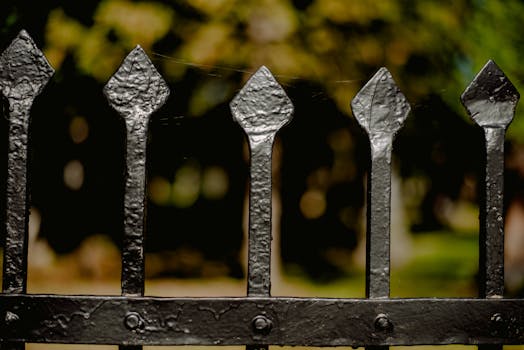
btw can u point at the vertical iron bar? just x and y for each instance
(17, 193)
(380, 108)
(133, 274)
(491, 257)
(259, 256)
(261, 108)
(133, 264)
(491, 100)
(378, 219)
(24, 71)
(136, 90)
(491, 233)
(378, 222)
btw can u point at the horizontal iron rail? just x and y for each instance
(260, 321)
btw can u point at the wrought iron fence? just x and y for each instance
(257, 320)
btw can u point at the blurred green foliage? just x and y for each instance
(431, 47)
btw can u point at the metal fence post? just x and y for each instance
(135, 91)
(24, 72)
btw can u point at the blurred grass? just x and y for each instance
(444, 264)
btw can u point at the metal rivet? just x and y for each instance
(261, 324)
(11, 317)
(132, 321)
(497, 319)
(382, 322)
(171, 323)
(497, 324)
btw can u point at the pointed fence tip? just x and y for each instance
(383, 70)
(137, 53)
(22, 63)
(490, 66)
(262, 105)
(491, 99)
(262, 73)
(138, 50)
(380, 106)
(24, 34)
(25, 37)
(136, 84)
(264, 70)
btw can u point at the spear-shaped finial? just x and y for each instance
(135, 91)
(261, 108)
(491, 100)
(136, 86)
(24, 72)
(380, 108)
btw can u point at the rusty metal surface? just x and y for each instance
(229, 321)
(135, 91)
(261, 108)
(380, 108)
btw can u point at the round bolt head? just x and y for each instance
(261, 324)
(497, 318)
(497, 324)
(11, 317)
(171, 323)
(132, 321)
(383, 323)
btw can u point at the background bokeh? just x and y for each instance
(322, 52)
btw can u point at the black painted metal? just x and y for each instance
(24, 71)
(261, 108)
(228, 321)
(491, 100)
(135, 91)
(380, 108)
(258, 320)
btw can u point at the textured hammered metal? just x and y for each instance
(135, 91)
(380, 108)
(491, 100)
(24, 72)
(261, 108)
(228, 321)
